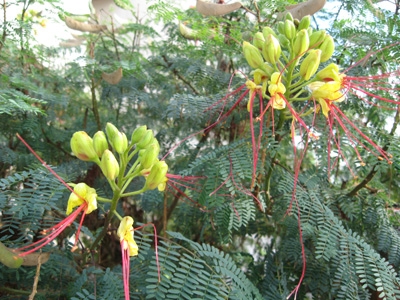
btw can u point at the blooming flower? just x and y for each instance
(82, 195)
(130, 248)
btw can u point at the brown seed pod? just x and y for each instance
(71, 43)
(114, 77)
(191, 34)
(212, 9)
(303, 9)
(74, 24)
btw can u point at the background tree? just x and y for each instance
(220, 245)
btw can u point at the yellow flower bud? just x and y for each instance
(109, 165)
(252, 55)
(281, 27)
(290, 29)
(258, 40)
(304, 23)
(271, 49)
(111, 131)
(316, 38)
(327, 47)
(149, 156)
(138, 134)
(156, 176)
(146, 139)
(267, 31)
(120, 142)
(82, 146)
(310, 64)
(289, 17)
(301, 43)
(283, 41)
(100, 143)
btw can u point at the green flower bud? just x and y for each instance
(296, 23)
(281, 27)
(317, 38)
(258, 40)
(149, 157)
(310, 64)
(283, 41)
(157, 175)
(310, 31)
(271, 49)
(290, 29)
(82, 146)
(267, 31)
(252, 55)
(120, 142)
(111, 130)
(100, 143)
(327, 48)
(304, 23)
(146, 140)
(138, 134)
(109, 165)
(156, 144)
(267, 68)
(289, 17)
(301, 43)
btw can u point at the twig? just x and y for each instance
(35, 282)
(374, 169)
(165, 220)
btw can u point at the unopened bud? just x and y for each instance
(271, 49)
(157, 175)
(290, 29)
(120, 142)
(317, 38)
(281, 27)
(296, 22)
(252, 55)
(138, 134)
(146, 140)
(149, 157)
(289, 17)
(82, 146)
(109, 165)
(267, 31)
(111, 131)
(258, 40)
(301, 43)
(304, 23)
(283, 41)
(310, 31)
(310, 64)
(100, 143)
(327, 48)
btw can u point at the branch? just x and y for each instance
(175, 71)
(374, 169)
(3, 38)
